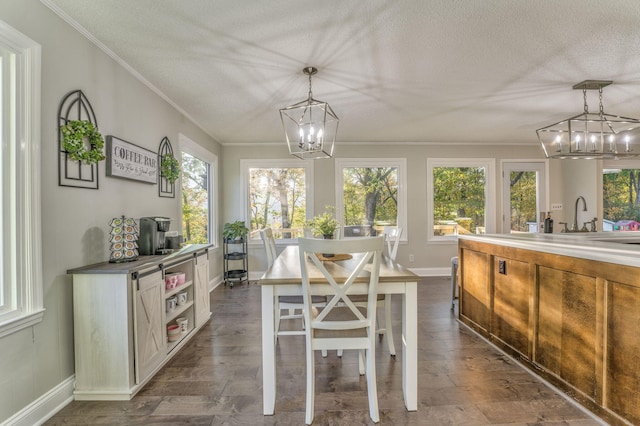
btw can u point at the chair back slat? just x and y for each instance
(392, 235)
(269, 245)
(364, 267)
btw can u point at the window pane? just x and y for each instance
(277, 199)
(621, 208)
(196, 176)
(370, 197)
(523, 201)
(458, 200)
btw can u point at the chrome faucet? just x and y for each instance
(574, 227)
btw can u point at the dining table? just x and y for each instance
(283, 278)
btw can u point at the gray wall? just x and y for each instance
(74, 221)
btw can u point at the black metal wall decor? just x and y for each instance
(166, 187)
(72, 173)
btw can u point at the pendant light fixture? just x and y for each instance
(310, 126)
(592, 135)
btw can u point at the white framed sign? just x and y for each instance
(129, 161)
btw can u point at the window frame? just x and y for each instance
(399, 163)
(192, 148)
(246, 164)
(21, 188)
(489, 193)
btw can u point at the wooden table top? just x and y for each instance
(286, 270)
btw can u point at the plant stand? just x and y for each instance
(236, 261)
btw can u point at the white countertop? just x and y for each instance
(622, 248)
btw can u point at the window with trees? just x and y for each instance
(278, 194)
(620, 200)
(461, 200)
(21, 293)
(199, 168)
(371, 194)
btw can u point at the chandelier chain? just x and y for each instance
(584, 95)
(601, 107)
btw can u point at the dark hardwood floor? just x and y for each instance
(217, 378)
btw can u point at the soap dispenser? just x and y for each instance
(548, 224)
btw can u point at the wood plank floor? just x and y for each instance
(217, 378)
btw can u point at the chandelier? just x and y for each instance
(592, 135)
(310, 126)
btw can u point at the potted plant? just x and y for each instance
(324, 224)
(234, 230)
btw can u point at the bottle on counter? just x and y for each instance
(548, 224)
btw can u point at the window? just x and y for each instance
(199, 196)
(371, 194)
(21, 241)
(620, 200)
(523, 196)
(278, 195)
(461, 195)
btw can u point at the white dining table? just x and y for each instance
(283, 278)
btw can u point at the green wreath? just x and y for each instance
(169, 168)
(73, 137)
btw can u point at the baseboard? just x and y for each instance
(45, 407)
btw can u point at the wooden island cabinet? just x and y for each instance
(122, 315)
(566, 306)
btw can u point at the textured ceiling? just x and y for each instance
(477, 71)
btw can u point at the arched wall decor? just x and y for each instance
(72, 173)
(166, 188)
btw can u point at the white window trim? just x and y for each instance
(398, 163)
(25, 213)
(192, 148)
(489, 193)
(245, 165)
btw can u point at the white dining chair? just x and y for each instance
(341, 324)
(291, 304)
(392, 236)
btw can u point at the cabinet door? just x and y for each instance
(201, 290)
(150, 343)
(512, 293)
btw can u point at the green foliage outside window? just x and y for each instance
(277, 199)
(620, 195)
(459, 197)
(370, 196)
(195, 200)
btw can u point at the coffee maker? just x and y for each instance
(152, 230)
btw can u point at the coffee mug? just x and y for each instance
(183, 323)
(171, 304)
(182, 298)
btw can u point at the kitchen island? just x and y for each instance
(566, 306)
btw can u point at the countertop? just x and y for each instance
(143, 262)
(622, 248)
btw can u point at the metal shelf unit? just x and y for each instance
(236, 261)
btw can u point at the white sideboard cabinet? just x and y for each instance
(121, 319)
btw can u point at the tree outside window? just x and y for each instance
(461, 202)
(620, 199)
(278, 199)
(370, 196)
(195, 199)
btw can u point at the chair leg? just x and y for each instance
(372, 387)
(339, 353)
(311, 385)
(454, 281)
(361, 362)
(324, 353)
(387, 324)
